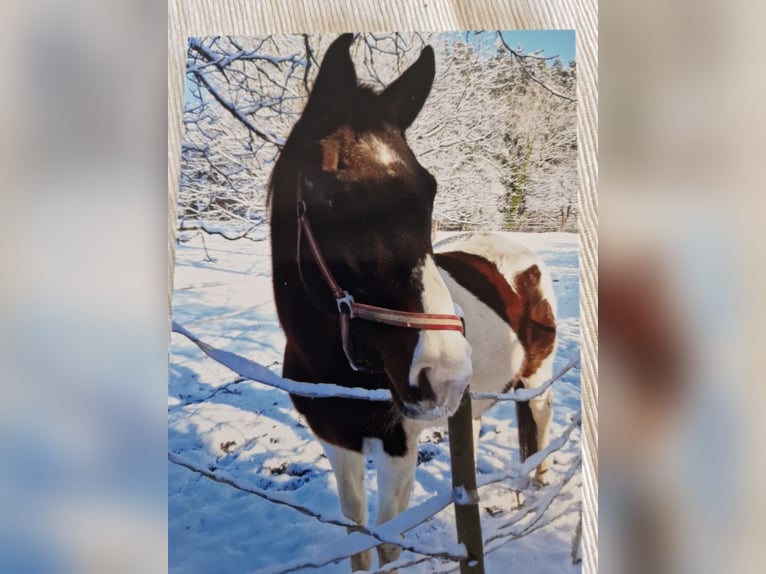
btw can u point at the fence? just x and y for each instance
(471, 548)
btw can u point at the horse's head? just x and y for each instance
(370, 204)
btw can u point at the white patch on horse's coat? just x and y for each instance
(381, 151)
(348, 467)
(396, 477)
(396, 480)
(446, 354)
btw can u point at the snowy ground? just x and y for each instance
(251, 432)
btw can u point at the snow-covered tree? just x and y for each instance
(498, 131)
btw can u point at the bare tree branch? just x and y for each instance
(232, 109)
(529, 74)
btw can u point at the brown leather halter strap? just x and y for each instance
(349, 309)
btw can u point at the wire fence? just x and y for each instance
(526, 520)
(253, 371)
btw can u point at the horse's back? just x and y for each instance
(506, 295)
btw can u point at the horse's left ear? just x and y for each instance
(333, 88)
(404, 99)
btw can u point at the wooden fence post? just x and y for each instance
(464, 491)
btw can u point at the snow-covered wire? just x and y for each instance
(388, 533)
(510, 529)
(245, 486)
(501, 543)
(526, 394)
(253, 371)
(539, 507)
(391, 531)
(402, 563)
(256, 372)
(533, 461)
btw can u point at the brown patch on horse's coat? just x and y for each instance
(330, 154)
(523, 307)
(482, 278)
(537, 331)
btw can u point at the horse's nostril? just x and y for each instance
(424, 388)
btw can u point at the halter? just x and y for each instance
(349, 309)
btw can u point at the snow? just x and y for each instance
(249, 433)
(463, 497)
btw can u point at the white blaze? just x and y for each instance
(382, 152)
(445, 354)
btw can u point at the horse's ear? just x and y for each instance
(334, 85)
(404, 99)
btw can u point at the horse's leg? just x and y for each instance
(348, 467)
(535, 417)
(396, 477)
(542, 413)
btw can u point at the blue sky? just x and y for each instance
(553, 42)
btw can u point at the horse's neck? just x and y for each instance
(312, 334)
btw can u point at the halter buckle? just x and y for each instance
(346, 304)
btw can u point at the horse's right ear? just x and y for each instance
(333, 87)
(404, 98)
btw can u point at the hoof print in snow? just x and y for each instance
(227, 446)
(298, 470)
(288, 476)
(273, 440)
(425, 455)
(493, 511)
(483, 468)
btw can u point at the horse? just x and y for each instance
(366, 301)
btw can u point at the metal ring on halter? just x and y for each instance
(346, 304)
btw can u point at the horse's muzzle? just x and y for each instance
(420, 412)
(433, 409)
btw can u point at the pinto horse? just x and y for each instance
(366, 301)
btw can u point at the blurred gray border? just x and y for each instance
(250, 17)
